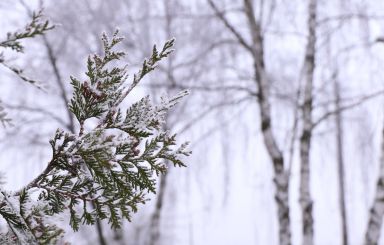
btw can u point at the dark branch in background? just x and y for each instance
(345, 17)
(4, 119)
(19, 72)
(63, 92)
(207, 88)
(230, 27)
(211, 109)
(347, 107)
(212, 130)
(36, 110)
(340, 159)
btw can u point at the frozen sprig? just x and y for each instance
(149, 65)
(102, 172)
(37, 26)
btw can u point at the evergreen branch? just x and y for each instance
(36, 27)
(150, 64)
(110, 166)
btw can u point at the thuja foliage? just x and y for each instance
(13, 41)
(107, 168)
(37, 26)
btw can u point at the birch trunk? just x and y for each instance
(306, 202)
(281, 178)
(375, 221)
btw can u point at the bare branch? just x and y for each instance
(230, 27)
(347, 107)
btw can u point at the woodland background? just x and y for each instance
(226, 194)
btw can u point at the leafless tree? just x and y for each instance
(262, 83)
(306, 135)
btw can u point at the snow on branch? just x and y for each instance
(103, 172)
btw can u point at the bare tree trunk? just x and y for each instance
(281, 178)
(306, 136)
(340, 161)
(372, 233)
